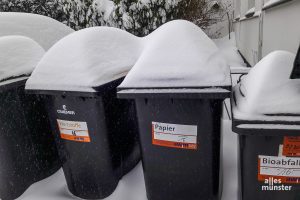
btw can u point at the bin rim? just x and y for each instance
(13, 82)
(267, 127)
(99, 91)
(215, 92)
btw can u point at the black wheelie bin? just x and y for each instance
(27, 149)
(95, 133)
(179, 84)
(266, 116)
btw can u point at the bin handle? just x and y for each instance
(296, 69)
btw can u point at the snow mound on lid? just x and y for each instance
(44, 30)
(268, 89)
(86, 59)
(18, 56)
(178, 54)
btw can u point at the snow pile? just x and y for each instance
(18, 56)
(268, 89)
(178, 54)
(86, 59)
(44, 30)
(230, 52)
(227, 48)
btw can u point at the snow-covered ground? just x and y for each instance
(230, 52)
(132, 186)
(228, 49)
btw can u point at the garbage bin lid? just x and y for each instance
(178, 55)
(267, 93)
(19, 56)
(85, 60)
(44, 30)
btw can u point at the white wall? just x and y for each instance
(237, 8)
(248, 39)
(277, 28)
(281, 28)
(221, 29)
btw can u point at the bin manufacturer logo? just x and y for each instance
(73, 130)
(174, 135)
(65, 111)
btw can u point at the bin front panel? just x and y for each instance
(90, 163)
(188, 172)
(257, 178)
(18, 169)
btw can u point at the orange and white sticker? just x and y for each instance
(73, 130)
(284, 168)
(291, 146)
(174, 135)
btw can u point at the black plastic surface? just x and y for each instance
(180, 174)
(296, 70)
(250, 147)
(27, 149)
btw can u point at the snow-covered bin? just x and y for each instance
(266, 115)
(27, 148)
(96, 133)
(179, 83)
(44, 30)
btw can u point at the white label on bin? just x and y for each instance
(287, 169)
(174, 135)
(73, 130)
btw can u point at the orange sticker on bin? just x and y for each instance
(287, 169)
(291, 146)
(174, 135)
(73, 130)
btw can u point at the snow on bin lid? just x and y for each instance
(18, 56)
(44, 30)
(268, 89)
(178, 54)
(86, 59)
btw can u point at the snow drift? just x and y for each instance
(44, 30)
(19, 56)
(177, 54)
(268, 89)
